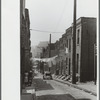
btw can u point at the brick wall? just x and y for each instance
(87, 49)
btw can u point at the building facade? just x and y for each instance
(25, 43)
(85, 40)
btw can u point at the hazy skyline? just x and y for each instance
(56, 16)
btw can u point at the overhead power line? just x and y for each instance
(44, 31)
(60, 18)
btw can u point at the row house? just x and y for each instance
(85, 40)
(57, 67)
(64, 58)
(61, 56)
(25, 43)
(68, 46)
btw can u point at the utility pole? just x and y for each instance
(74, 46)
(50, 48)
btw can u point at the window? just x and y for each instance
(69, 66)
(66, 61)
(77, 67)
(78, 31)
(69, 44)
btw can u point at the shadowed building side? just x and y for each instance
(25, 43)
(85, 40)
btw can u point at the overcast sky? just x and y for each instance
(56, 16)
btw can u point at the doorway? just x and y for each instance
(69, 66)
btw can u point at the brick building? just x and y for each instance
(64, 58)
(85, 40)
(68, 46)
(25, 42)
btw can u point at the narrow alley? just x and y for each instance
(53, 90)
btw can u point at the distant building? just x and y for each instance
(43, 44)
(49, 51)
(37, 50)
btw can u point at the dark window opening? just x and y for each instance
(78, 36)
(77, 63)
(69, 44)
